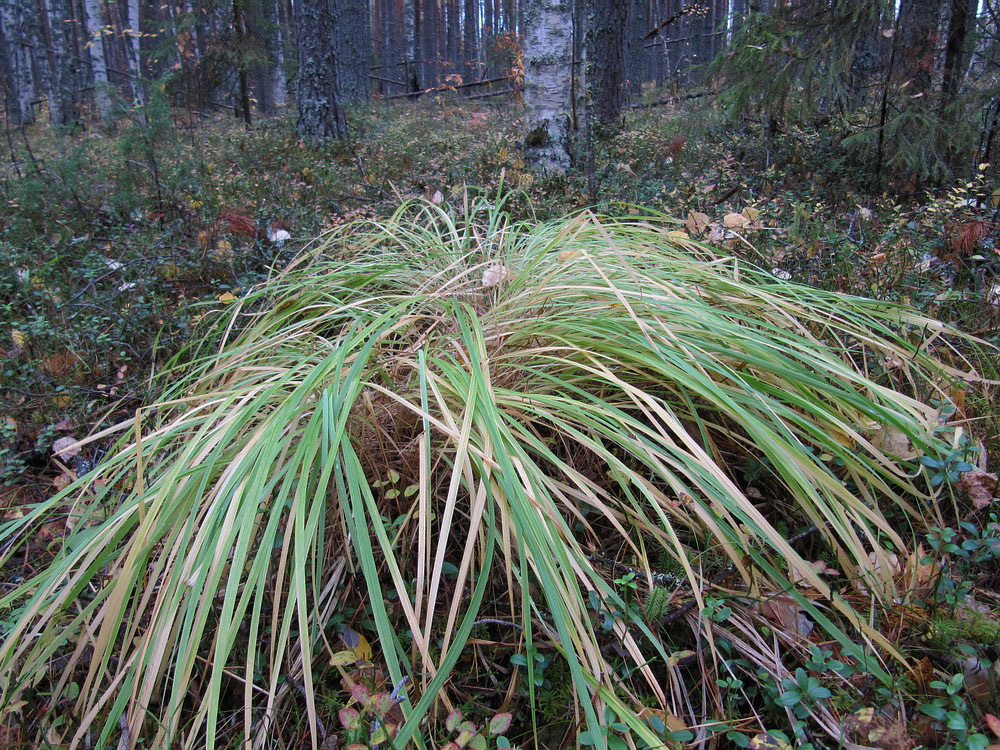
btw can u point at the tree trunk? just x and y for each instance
(958, 31)
(352, 37)
(18, 81)
(275, 83)
(430, 50)
(95, 45)
(548, 60)
(921, 21)
(635, 50)
(607, 59)
(317, 89)
(454, 29)
(134, 50)
(470, 41)
(64, 65)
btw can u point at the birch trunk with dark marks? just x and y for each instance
(548, 63)
(98, 66)
(317, 89)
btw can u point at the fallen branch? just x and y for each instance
(493, 93)
(439, 89)
(671, 100)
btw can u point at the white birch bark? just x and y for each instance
(134, 51)
(548, 60)
(95, 46)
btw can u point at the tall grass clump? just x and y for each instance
(448, 420)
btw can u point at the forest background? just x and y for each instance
(163, 160)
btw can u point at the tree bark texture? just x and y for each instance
(635, 47)
(98, 65)
(352, 37)
(317, 90)
(548, 60)
(607, 57)
(15, 61)
(920, 22)
(958, 32)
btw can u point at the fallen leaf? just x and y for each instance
(697, 222)
(922, 673)
(226, 298)
(979, 487)
(878, 731)
(62, 481)
(495, 274)
(785, 611)
(892, 442)
(65, 447)
(993, 723)
(735, 221)
(764, 741)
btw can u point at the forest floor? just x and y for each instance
(115, 246)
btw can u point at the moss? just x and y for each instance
(537, 137)
(967, 627)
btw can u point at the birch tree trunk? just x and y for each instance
(317, 88)
(134, 51)
(63, 64)
(95, 46)
(548, 62)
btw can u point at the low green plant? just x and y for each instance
(513, 373)
(953, 710)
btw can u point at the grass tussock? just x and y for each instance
(445, 420)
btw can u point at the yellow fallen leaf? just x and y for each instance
(20, 338)
(343, 658)
(227, 298)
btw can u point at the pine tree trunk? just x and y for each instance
(607, 57)
(470, 41)
(352, 37)
(958, 31)
(921, 21)
(548, 59)
(317, 88)
(635, 31)
(275, 83)
(454, 33)
(430, 51)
